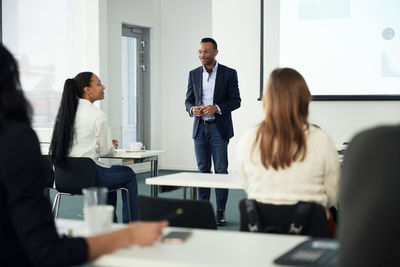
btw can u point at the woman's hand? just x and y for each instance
(145, 233)
(115, 143)
(138, 233)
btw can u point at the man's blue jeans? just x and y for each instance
(124, 176)
(209, 144)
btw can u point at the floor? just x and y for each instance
(71, 207)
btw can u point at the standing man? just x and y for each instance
(212, 95)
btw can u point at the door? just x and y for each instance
(135, 86)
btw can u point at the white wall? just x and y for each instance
(86, 29)
(181, 34)
(236, 28)
(343, 119)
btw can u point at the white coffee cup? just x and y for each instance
(136, 146)
(98, 218)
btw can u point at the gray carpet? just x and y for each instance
(71, 206)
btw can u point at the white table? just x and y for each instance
(139, 157)
(194, 180)
(134, 157)
(204, 248)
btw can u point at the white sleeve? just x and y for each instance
(332, 172)
(103, 137)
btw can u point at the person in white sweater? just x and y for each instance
(284, 159)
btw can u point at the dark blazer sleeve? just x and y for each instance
(194, 90)
(28, 211)
(229, 99)
(190, 97)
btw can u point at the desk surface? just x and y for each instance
(203, 248)
(195, 179)
(124, 154)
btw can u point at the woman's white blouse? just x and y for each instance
(316, 179)
(92, 136)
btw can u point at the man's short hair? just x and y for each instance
(210, 40)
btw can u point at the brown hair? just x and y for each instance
(281, 135)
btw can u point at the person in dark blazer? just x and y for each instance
(28, 236)
(211, 96)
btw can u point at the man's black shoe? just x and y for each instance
(221, 218)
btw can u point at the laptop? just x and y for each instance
(179, 212)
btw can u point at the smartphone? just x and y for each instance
(175, 237)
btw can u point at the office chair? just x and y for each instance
(179, 212)
(369, 219)
(73, 175)
(280, 219)
(49, 176)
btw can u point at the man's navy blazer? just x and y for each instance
(226, 96)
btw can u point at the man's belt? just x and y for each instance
(207, 121)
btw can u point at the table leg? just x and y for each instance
(154, 173)
(154, 167)
(154, 190)
(193, 193)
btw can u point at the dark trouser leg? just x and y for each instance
(219, 151)
(203, 157)
(120, 176)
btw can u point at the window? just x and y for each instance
(42, 42)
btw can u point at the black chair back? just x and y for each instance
(278, 218)
(49, 172)
(82, 170)
(48, 175)
(179, 212)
